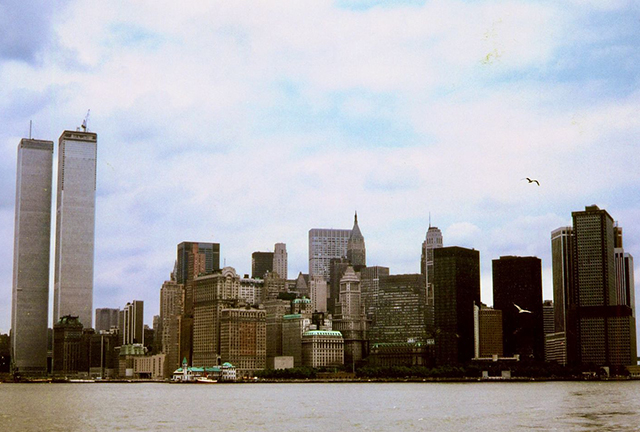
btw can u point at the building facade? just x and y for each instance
(261, 264)
(31, 247)
(456, 285)
(605, 329)
(106, 318)
(280, 260)
(399, 310)
(356, 250)
(322, 348)
(487, 331)
(432, 241)
(349, 319)
(517, 292)
(75, 226)
(133, 325)
(324, 245)
(243, 339)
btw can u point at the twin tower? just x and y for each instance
(74, 242)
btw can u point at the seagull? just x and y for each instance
(531, 180)
(520, 310)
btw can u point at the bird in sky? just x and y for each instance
(532, 180)
(520, 310)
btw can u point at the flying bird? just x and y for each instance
(520, 310)
(532, 180)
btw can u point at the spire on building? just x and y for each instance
(356, 251)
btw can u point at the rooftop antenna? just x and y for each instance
(84, 122)
(429, 219)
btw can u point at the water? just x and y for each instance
(539, 406)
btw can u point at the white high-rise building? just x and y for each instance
(75, 226)
(324, 245)
(30, 292)
(280, 260)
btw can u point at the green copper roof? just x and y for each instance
(302, 300)
(292, 316)
(322, 333)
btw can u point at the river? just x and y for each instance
(486, 406)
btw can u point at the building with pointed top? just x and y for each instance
(356, 251)
(432, 241)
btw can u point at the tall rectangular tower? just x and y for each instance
(30, 291)
(75, 226)
(456, 287)
(517, 292)
(280, 261)
(325, 244)
(605, 328)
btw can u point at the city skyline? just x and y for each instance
(249, 126)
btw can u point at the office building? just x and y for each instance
(261, 264)
(399, 310)
(370, 285)
(605, 329)
(548, 317)
(75, 226)
(487, 331)
(194, 259)
(212, 294)
(133, 325)
(243, 339)
(293, 326)
(337, 267)
(67, 350)
(456, 285)
(171, 295)
(251, 290)
(106, 318)
(319, 293)
(356, 250)
(322, 348)
(432, 241)
(349, 319)
(32, 237)
(274, 313)
(517, 292)
(280, 260)
(324, 245)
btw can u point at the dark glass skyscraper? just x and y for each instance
(605, 329)
(456, 287)
(517, 292)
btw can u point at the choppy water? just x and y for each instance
(540, 406)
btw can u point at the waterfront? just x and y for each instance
(561, 406)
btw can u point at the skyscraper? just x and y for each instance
(171, 295)
(562, 249)
(106, 318)
(432, 241)
(517, 287)
(349, 318)
(280, 262)
(194, 259)
(30, 289)
(324, 245)
(605, 329)
(356, 251)
(133, 328)
(456, 287)
(75, 226)
(261, 264)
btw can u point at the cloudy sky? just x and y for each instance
(248, 123)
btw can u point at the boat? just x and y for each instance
(82, 381)
(205, 380)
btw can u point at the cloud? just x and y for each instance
(249, 123)
(26, 28)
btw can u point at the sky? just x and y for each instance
(248, 123)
